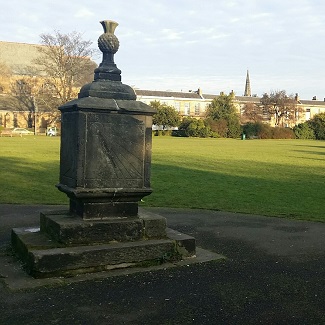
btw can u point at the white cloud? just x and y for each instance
(83, 13)
(186, 44)
(171, 34)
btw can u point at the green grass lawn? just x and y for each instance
(269, 177)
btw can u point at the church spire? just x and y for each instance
(247, 86)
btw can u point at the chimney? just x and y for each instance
(297, 97)
(314, 98)
(199, 91)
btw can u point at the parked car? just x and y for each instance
(53, 131)
(21, 131)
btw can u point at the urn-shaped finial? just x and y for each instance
(109, 26)
(107, 80)
(108, 43)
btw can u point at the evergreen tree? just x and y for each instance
(222, 109)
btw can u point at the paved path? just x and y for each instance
(274, 274)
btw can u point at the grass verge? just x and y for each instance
(269, 177)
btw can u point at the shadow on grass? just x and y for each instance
(261, 188)
(26, 183)
(238, 186)
(311, 146)
(321, 153)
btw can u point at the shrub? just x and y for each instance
(318, 125)
(282, 133)
(219, 127)
(265, 131)
(191, 127)
(234, 128)
(304, 131)
(250, 130)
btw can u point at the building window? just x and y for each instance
(177, 106)
(307, 114)
(187, 108)
(297, 115)
(197, 109)
(15, 120)
(22, 88)
(6, 120)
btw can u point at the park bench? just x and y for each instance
(7, 133)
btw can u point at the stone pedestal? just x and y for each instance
(105, 156)
(66, 245)
(105, 163)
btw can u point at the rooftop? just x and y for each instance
(19, 56)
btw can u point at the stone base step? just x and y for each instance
(72, 230)
(44, 257)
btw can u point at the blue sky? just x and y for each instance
(186, 44)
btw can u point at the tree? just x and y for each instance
(252, 113)
(30, 95)
(55, 77)
(63, 66)
(166, 115)
(222, 109)
(65, 62)
(281, 106)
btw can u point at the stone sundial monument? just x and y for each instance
(105, 164)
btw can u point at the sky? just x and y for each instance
(184, 45)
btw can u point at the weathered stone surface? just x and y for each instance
(154, 225)
(90, 209)
(105, 159)
(185, 244)
(71, 230)
(115, 90)
(44, 257)
(25, 239)
(103, 151)
(121, 106)
(95, 258)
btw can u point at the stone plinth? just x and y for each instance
(70, 230)
(65, 247)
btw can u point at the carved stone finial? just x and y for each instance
(108, 43)
(107, 80)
